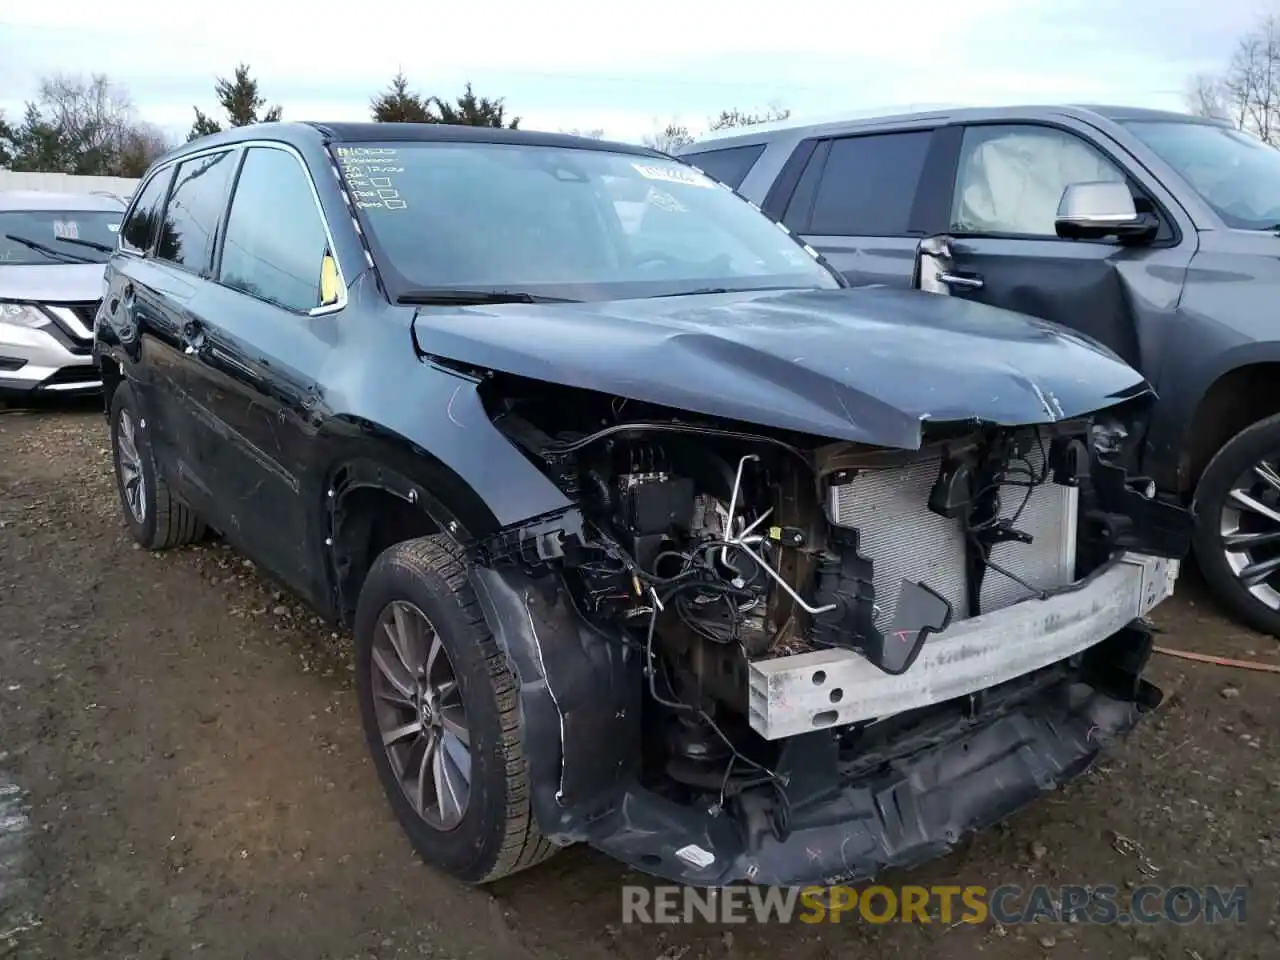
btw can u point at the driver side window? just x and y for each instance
(275, 243)
(1011, 178)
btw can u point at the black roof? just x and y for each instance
(295, 132)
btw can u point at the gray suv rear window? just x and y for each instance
(868, 185)
(729, 166)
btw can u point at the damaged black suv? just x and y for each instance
(651, 534)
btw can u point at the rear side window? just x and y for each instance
(195, 207)
(276, 240)
(868, 185)
(729, 166)
(137, 231)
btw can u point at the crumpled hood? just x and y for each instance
(52, 282)
(864, 364)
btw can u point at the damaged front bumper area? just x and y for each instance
(829, 688)
(941, 636)
(969, 735)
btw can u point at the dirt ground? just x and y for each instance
(182, 774)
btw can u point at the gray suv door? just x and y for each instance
(855, 203)
(1005, 182)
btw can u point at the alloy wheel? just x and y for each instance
(1250, 531)
(418, 706)
(132, 480)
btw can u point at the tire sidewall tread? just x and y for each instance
(497, 835)
(168, 521)
(1246, 448)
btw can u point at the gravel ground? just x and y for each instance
(182, 774)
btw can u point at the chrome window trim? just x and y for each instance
(246, 146)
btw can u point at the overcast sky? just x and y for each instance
(625, 68)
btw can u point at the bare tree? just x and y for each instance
(1248, 94)
(595, 133)
(747, 118)
(93, 114)
(140, 146)
(1206, 97)
(668, 138)
(85, 126)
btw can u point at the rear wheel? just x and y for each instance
(1237, 540)
(440, 712)
(155, 517)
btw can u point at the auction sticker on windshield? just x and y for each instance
(673, 174)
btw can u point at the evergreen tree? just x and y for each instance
(43, 145)
(400, 105)
(203, 126)
(473, 111)
(7, 143)
(240, 100)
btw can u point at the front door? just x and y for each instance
(1002, 247)
(267, 332)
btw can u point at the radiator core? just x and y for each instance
(904, 539)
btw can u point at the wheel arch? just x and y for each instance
(112, 376)
(1236, 397)
(384, 494)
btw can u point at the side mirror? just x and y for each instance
(1098, 209)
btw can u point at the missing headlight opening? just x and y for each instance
(776, 596)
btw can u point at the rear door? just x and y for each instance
(174, 299)
(855, 203)
(155, 301)
(1006, 182)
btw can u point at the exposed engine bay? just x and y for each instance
(736, 563)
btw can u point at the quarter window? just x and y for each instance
(1011, 178)
(195, 207)
(868, 185)
(140, 227)
(729, 166)
(276, 240)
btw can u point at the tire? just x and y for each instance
(165, 521)
(496, 835)
(1251, 446)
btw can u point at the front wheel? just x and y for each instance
(440, 712)
(1237, 539)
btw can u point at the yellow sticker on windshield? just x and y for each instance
(330, 286)
(673, 174)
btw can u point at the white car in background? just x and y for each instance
(52, 250)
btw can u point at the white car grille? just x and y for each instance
(905, 540)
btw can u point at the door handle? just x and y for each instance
(955, 280)
(192, 338)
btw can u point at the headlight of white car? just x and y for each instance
(23, 315)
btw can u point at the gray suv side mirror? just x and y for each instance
(1097, 209)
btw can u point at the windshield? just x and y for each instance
(561, 222)
(57, 230)
(1236, 174)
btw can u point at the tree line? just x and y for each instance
(89, 125)
(80, 125)
(1247, 92)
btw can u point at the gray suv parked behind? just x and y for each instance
(1155, 233)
